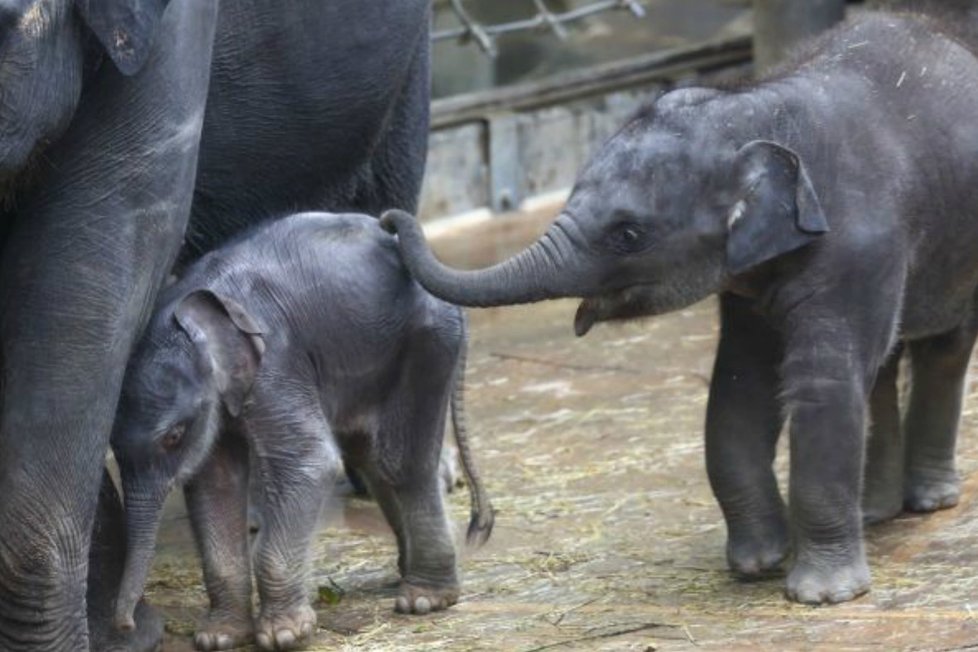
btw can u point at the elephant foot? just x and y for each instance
(929, 494)
(879, 509)
(820, 584)
(759, 553)
(286, 630)
(421, 600)
(221, 632)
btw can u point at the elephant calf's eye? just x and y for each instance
(172, 437)
(628, 237)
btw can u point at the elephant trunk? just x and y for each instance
(144, 508)
(537, 273)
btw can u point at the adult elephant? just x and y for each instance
(120, 121)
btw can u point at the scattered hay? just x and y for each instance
(607, 535)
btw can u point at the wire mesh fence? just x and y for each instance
(484, 36)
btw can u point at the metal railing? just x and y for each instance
(484, 36)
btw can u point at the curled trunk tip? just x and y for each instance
(125, 606)
(392, 219)
(124, 620)
(537, 273)
(142, 522)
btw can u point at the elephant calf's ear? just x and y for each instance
(777, 210)
(125, 28)
(227, 338)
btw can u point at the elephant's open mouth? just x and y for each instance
(627, 303)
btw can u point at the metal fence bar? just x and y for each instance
(484, 35)
(592, 80)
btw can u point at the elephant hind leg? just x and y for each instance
(939, 367)
(883, 480)
(404, 476)
(392, 177)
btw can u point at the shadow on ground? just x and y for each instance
(607, 536)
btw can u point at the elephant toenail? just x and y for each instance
(422, 605)
(264, 641)
(401, 605)
(285, 638)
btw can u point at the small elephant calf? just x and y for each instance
(833, 206)
(300, 347)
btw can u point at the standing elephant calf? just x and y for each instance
(834, 206)
(308, 344)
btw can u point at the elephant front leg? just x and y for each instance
(825, 393)
(298, 463)
(743, 422)
(217, 500)
(883, 486)
(939, 367)
(85, 252)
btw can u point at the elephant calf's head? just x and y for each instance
(682, 199)
(197, 361)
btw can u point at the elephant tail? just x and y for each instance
(482, 515)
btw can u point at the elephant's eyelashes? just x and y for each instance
(172, 437)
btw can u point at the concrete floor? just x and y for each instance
(607, 536)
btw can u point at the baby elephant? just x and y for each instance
(303, 346)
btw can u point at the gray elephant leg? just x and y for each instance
(217, 499)
(298, 462)
(392, 178)
(81, 264)
(403, 475)
(939, 366)
(382, 491)
(426, 552)
(826, 392)
(883, 484)
(743, 422)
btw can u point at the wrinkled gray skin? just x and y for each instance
(308, 344)
(120, 120)
(834, 207)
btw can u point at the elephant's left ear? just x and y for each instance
(125, 28)
(777, 210)
(228, 341)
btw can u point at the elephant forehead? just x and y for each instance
(649, 157)
(160, 380)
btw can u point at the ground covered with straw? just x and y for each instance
(607, 536)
